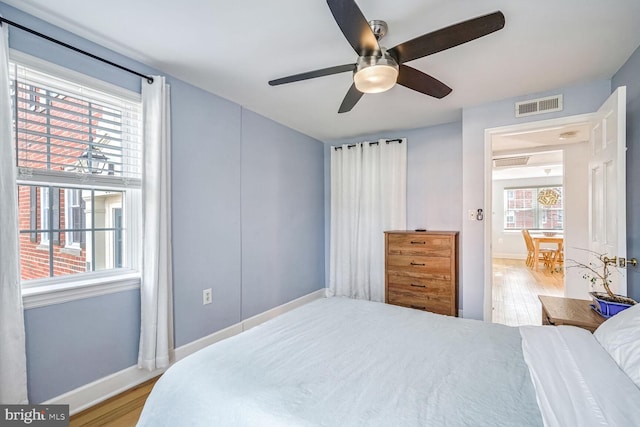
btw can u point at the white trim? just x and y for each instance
(76, 180)
(98, 391)
(58, 292)
(93, 393)
(276, 311)
(192, 347)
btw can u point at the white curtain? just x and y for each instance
(13, 365)
(368, 197)
(156, 335)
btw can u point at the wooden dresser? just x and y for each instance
(421, 270)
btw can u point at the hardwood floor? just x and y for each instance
(122, 410)
(516, 288)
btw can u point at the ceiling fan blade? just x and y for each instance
(448, 37)
(351, 99)
(354, 26)
(313, 74)
(421, 82)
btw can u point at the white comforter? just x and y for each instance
(341, 362)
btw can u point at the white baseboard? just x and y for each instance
(93, 393)
(192, 347)
(509, 256)
(100, 390)
(276, 311)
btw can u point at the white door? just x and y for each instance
(607, 185)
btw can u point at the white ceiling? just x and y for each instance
(542, 147)
(539, 139)
(544, 164)
(232, 48)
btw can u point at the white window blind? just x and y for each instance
(71, 133)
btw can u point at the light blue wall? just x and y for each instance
(577, 100)
(628, 75)
(219, 151)
(75, 343)
(282, 205)
(206, 211)
(434, 177)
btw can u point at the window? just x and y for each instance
(78, 146)
(75, 218)
(524, 208)
(44, 215)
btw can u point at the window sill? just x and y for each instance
(58, 293)
(71, 250)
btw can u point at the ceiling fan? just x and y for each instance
(378, 69)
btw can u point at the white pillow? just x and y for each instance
(620, 337)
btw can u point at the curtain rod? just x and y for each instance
(371, 143)
(75, 49)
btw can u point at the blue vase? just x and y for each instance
(606, 308)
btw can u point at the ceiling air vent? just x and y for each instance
(539, 106)
(511, 161)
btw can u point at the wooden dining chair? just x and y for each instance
(557, 258)
(544, 255)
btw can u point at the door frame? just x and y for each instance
(488, 190)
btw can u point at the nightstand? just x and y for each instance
(568, 311)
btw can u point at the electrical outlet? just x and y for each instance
(471, 215)
(207, 297)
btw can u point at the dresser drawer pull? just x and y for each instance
(415, 242)
(418, 286)
(419, 307)
(417, 263)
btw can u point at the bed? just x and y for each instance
(343, 362)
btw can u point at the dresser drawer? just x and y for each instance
(419, 299)
(434, 285)
(419, 264)
(421, 245)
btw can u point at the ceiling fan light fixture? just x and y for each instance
(375, 74)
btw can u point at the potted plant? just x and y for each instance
(598, 273)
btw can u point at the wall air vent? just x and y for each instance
(539, 106)
(510, 161)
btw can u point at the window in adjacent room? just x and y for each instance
(524, 210)
(78, 146)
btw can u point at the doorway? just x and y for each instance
(527, 188)
(523, 161)
(594, 191)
